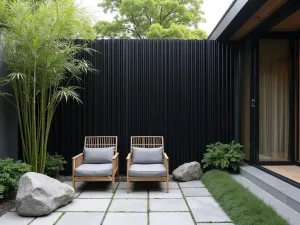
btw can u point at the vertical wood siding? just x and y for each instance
(182, 90)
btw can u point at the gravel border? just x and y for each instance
(6, 205)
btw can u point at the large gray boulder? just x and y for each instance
(188, 171)
(40, 195)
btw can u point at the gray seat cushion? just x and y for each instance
(98, 155)
(147, 170)
(147, 155)
(94, 170)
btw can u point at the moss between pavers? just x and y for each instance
(186, 202)
(240, 204)
(112, 198)
(61, 215)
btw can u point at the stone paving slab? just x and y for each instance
(12, 218)
(172, 218)
(195, 192)
(148, 185)
(135, 193)
(126, 219)
(158, 193)
(168, 205)
(86, 205)
(47, 220)
(215, 224)
(206, 209)
(93, 193)
(162, 185)
(128, 205)
(192, 184)
(80, 218)
(134, 185)
(132, 208)
(100, 185)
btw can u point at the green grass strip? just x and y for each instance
(240, 204)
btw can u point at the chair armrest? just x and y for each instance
(116, 156)
(166, 162)
(166, 156)
(79, 155)
(128, 156)
(77, 160)
(115, 163)
(128, 163)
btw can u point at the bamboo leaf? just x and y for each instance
(66, 93)
(42, 60)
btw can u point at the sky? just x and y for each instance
(214, 10)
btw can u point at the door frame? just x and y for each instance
(293, 105)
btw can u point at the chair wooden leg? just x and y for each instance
(73, 182)
(127, 185)
(113, 184)
(167, 185)
(118, 175)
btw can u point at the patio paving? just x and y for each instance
(187, 203)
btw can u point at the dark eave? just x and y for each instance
(235, 16)
(284, 12)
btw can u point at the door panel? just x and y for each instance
(273, 108)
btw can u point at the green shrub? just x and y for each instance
(1, 191)
(11, 171)
(223, 156)
(54, 165)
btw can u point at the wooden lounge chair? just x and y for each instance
(98, 162)
(147, 160)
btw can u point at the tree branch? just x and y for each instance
(160, 14)
(135, 26)
(168, 14)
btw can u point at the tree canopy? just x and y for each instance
(162, 19)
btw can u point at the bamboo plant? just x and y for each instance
(42, 60)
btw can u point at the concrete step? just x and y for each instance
(282, 209)
(286, 193)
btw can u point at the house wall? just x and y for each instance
(8, 122)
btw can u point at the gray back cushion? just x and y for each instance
(147, 155)
(98, 155)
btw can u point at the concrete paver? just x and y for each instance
(147, 203)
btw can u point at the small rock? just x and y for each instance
(40, 195)
(188, 171)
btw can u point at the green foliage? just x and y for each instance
(172, 19)
(1, 191)
(243, 207)
(11, 171)
(176, 31)
(54, 165)
(40, 54)
(223, 156)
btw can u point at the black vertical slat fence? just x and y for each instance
(182, 90)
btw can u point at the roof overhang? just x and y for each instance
(256, 18)
(237, 14)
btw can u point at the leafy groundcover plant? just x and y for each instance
(41, 56)
(11, 171)
(223, 156)
(54, 165)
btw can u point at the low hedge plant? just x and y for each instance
(11, 171)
